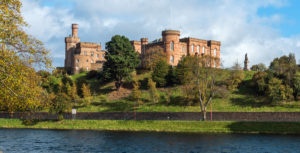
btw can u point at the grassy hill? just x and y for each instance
(107, 99)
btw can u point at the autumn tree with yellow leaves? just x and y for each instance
(20, 54)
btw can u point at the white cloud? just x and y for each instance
(235, 23)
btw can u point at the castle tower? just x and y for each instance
(246, 61)
(171, 46)
(70, 43)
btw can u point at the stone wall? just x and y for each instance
(216, 116)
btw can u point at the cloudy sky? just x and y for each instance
(264, 29)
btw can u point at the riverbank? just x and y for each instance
(161, 126)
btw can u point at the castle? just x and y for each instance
(82, 56)
(89, 56)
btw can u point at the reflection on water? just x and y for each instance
(25, 140)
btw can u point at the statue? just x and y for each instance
(246, 61)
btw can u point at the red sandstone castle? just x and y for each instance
(89, 56)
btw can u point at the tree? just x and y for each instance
(260, 82)
(236, 76)
(205, 82)
(284, 68)
(60, 104)
(19, 54)
(259, 67)
(154, 96)
(279, 92)
(121, 59)
(152, 56)
(160, 72)
(197, 72)
(86, 93)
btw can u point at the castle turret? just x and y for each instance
(171, 46)
(144, 41)
(74, 30)
(71, 42)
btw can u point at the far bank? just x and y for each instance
(162, 126)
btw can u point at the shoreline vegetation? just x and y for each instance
(206, 127)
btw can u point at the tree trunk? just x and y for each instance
(204, 114)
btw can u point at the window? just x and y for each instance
(215, 52)
(77, 60)
(172, 46)
(198, 49)
(85, 53)
(192, 48)
(172, 59)
(92, 53)
(203, 50)
(97, 55)
(87, 61)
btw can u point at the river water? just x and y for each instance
(58, 141)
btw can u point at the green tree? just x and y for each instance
(296, 86)
(160, 72)
(279, 92)
(260, 82)
(60, 104)
(197, 73)
(259, 67)
(154, 96)
(121, 59)
(284, 68)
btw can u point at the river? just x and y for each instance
(77, 141)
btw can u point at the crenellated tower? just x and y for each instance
(171, 45)
(71, 42)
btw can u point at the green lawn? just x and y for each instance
(162, 126)
(236, 103)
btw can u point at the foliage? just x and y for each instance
(136, 93)
(279, 92)
(154, 96)
(160, 72)
(296, 86)
(259, 67)
(121, 59)
(152, 56)
(19, 54)
(14, 38)
(259, 80)
(60, 104)
(236, 77)
(20, 90)
(86, 93)
(284, 68)
(171, 77)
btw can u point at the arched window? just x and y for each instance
(203, 50)
(215, 52)
(198, 49)
(172, 59)
(192, 48)
(172, 46)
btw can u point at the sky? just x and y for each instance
(264, 29)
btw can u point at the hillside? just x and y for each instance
(172, 99)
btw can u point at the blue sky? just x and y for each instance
(265, 29)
